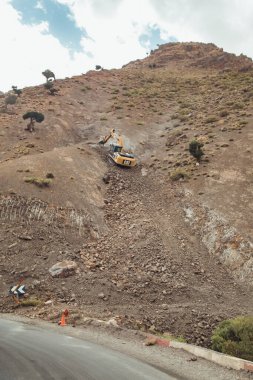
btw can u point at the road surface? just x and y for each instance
(30, 353)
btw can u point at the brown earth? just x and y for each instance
(152, 253)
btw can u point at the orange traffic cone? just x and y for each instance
(63, 322)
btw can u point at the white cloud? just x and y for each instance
(39, 5)
(27, 50)
(114, 28)
(227, 23)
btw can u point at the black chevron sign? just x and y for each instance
(18, 290)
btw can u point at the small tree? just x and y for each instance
(34, 117)
(195, 149)
(98, 67)
(10, 99)
(16, 90)
(48, 74)
(235, 337)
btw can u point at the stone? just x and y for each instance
(64, 268)
(106, 178)
(150, 341)
(49, 302)
(112, 322)
(192, 359)
(25, 237)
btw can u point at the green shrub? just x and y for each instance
(238, 106)
(48, 85)
(179, 174)
(195, 148)
(224, 113)
(30, 302)
(48, 74)
(211, 119)
(179, 338)
(16, 90)
(34, 117)
(235, 337)
(10, 99)
(40, 182)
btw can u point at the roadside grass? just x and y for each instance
(31, 301)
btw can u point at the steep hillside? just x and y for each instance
(165, 246)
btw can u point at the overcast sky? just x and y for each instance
(70, 37)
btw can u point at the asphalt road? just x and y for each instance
(30, 353)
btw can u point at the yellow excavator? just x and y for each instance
(117, 152)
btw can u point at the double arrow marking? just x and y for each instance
(18, 290)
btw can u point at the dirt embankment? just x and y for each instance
(152, 253)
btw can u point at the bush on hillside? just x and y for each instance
(195, 149)
(48, 74)
(40, 182)
(50, 87)
(234, 337)
(10, 99)
(178, 174)
(34, 117)
(16, 90)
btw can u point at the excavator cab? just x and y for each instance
(115, 148)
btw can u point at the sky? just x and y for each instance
(70, 37)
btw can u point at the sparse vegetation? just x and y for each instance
(179, 174)
(49, 175)
(31, 301)
(211, 119)
(16, 91)
(48, 74)
(10, 100)
(34, 117)
(50, 86)
(40, 182)
(195, 149)
(235, 337)
(224, 113)
(86, 88)
(179, 338)
(238, 106)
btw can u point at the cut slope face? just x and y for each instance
(160, 254)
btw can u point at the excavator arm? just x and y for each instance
(108, 137)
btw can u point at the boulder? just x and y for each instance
(64, 268)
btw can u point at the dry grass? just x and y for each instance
(30, 302)
(40, 182)
(179, 174)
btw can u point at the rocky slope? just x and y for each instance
(150, 252)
